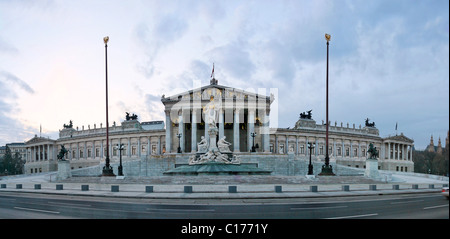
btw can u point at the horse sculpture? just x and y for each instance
(369, 124)
(132, 117)
(62, 153)
(69, 126)
(306, 115)
(373, 152)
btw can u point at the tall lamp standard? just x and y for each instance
(120, 169)
(253, 146)
(310, 167)
(179, 143)
(327, 169)
(107, 169)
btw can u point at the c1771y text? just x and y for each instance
(235, 228)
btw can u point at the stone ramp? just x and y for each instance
(225, 180)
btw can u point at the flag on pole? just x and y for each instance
(40, 130)
(212, 73)
(396, 126)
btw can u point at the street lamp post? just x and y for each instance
(253, 146)
(179, 143)
(310, 166)
(107, 169)
(120, 169)
(327, 169)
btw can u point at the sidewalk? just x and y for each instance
(218, 187)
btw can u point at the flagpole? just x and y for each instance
(327, 169)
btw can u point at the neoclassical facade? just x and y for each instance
(40, 155)
(243, 119)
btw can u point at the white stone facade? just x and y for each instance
(241, 114)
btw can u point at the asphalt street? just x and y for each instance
(430, 205)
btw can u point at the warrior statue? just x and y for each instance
(373, 152)
(62, 153)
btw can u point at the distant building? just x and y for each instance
(19, 148)
(437, 149)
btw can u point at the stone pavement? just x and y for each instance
(219, 187)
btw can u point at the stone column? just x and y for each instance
(250, 128)
(149, 148)
(181, 130)
(266, 131)
(221, 124)
(168, 132)
(306, 148)
(236, 142)
(276, 149)
(194, 131)
(101, 149)
(389, 150)
(139, 146)
(129, 147)
(351, 149)
(286, 147)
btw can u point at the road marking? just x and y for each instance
(426, 208)
(181, 210)
(354, 216)
(316, 208)
(406, 202)
(36, 210)
(70, 204)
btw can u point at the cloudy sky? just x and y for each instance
(389, 60)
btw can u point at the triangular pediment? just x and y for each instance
(400, 137)
(37, 140)
(217, 91)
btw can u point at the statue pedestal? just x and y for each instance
(372, 169)
(212, 132)
(64, 170)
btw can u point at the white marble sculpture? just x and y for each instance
(203, 145)
(223, 145)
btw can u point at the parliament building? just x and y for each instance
(243, 120)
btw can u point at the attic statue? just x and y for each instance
(69, 126)
(128, 117)
(307, 115)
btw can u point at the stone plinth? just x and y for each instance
(372, 169)
(64, 170)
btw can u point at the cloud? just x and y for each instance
(154, 38)
(233, 59)
(14, 79)
(6, 47)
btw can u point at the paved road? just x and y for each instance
(419, 205)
